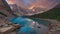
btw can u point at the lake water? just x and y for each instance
(27, 27)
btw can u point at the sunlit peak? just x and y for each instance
(31, 7)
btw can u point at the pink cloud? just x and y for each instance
(37, 3)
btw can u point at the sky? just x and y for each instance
(34, 3)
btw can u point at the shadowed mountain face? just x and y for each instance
(57, 6)
(4, 5)
(5, 9)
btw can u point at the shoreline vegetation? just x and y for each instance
(51, 14)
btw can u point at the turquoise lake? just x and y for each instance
(23, 21)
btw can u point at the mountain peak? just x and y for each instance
(57, 6)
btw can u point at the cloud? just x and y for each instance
(36, 3)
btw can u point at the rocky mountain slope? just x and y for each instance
(5, 9)
(51, 14)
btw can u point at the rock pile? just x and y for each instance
(7, 28)
(55, 27)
